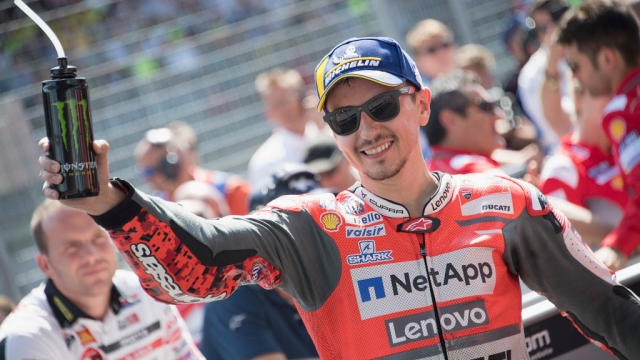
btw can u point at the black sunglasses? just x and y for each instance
(485, 106)
(380, 108)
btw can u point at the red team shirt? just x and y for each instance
(621, 123)
(579, 172)
(461, 162)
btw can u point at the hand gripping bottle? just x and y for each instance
(68, 123)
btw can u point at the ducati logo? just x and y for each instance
(423, 224)
(466, 193)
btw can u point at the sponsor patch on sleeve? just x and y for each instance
(629, 150)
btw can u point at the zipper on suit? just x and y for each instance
(423, 253)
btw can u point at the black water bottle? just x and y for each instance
(68, 122)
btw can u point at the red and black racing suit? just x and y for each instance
(371, 282)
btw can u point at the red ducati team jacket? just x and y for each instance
(621, 123)
(580, 173)
(371, 282)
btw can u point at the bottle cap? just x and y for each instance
(63, 71)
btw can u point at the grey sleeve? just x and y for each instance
(551, 258)
(231, 251)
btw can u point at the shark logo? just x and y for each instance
(368, 254)
(367, 247)
(76, 117)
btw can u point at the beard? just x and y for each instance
(385, 172)
(382, 171)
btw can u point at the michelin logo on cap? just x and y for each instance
(376, 59)
(351, 59)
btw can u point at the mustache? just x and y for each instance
(379, 138)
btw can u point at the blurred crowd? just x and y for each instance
(539, 124)
(140, 37)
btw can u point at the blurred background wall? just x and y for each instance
(152, 61)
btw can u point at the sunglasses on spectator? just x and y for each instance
(436, 48)
(572, 65)
(485, 106)
(380, 108)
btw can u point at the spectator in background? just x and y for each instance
(6, 307)
(167, 158)
(282, 93)
(461, 127)
(255, 323)
(601, 42)
(479, 60)
(544, 83)
(584, 172)
(521, 42)
(516, 130)
(434, 47)
(325, 159)
(86, 309)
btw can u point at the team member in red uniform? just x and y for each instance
(407, 264)
(602, 46)
(583, 172)
(461, 127)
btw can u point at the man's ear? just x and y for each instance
(607, 59)
(423, 99)
(449, 119)
(43, 263)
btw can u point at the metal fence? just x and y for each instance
(198, 68)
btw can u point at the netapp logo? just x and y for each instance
(159, 273)
(368, 254)
(406, 283)
(499, 208)
(421, 326)
(357, 232)
(390, 288)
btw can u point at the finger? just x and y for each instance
(101, 147)
(48, 164)
(43, 144)
(49, 192)
(49, 177)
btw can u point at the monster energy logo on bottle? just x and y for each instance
(73, 107)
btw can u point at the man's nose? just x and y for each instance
(89, 252)
(369, 128)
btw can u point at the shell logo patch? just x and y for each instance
(331, 221)
(617, 128)
(617, 183)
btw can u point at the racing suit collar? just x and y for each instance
(67, 312)
(394, 210)
(442, 196)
